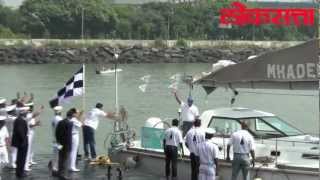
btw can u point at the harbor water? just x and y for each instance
(299, 108)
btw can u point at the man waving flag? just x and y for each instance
(73, 87)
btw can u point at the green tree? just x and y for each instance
(63, 18)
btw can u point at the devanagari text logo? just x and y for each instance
(240, 15)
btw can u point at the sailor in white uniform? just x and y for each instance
(171, 142)
(4, 139)
(207, 152)
(32, 124)
(3, 113)
(243, 146)
(11, 117)
(76, 128)
(57, 118)
(3, 105)
(194, 136)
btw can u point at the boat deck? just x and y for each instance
(92, 172)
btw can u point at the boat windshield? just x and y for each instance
(279, 125)
(259, 127)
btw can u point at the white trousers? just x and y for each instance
(55, 157)
(13, 156)
(4, 159)
(206, 173)
(29, 158)
(74, 151)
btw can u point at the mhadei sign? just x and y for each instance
(240, 15)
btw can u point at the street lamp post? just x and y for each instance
(82, 23)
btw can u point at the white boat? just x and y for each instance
(108, 71)
(282, 151)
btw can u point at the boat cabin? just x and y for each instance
(262, 125)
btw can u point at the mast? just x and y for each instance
(116, 81)
(84, 88)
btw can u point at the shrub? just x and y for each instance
(181, 43)
(159, 43)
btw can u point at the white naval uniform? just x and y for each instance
(242, 136)
(54, 123)
(31, 122)
(13, 150)
(207, 151)
(173, 136)
(242, 143)
(75, 142)
(188, 113)
(194, 136)
(4, 134)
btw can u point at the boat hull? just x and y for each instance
(153, 162)
(109, 71)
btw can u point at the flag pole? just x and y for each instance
(84, 88)
(116, 81)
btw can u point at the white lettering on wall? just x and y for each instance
(281, 74)
(311, 70)
(292, 71)
(271, 71)
(290, 74)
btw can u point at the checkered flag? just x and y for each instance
(73, 87)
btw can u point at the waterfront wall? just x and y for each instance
(38, 51)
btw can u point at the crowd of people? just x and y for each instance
(203, 151)
(18, 121)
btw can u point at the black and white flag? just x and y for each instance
(73, 87)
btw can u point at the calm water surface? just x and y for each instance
(45, 80)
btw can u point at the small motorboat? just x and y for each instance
(108, 71)
(282, 151)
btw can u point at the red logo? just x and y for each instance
(240, 15)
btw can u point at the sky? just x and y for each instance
(13, 3)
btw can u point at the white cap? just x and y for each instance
(58, 108)
(29, 104)
(21, 109)
(10, 108)
(12, 117)
(210, 131)
(2, 118)
(2, 100)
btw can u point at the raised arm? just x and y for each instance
(38, 112)
(111, 115)
(177, 98)
(26, 98)
(35, 123)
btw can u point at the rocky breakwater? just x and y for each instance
(95, 55)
